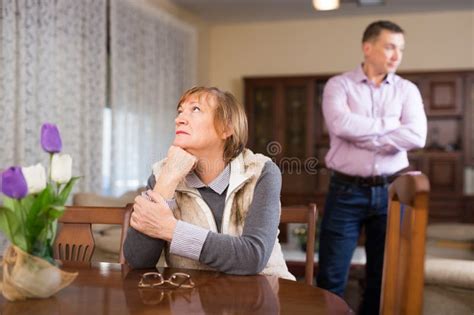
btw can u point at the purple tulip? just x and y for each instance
(14, 183)
(50, 138)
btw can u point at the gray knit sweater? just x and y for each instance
(245, 254)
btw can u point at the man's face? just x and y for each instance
(384, 54)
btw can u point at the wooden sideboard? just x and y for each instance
(286, 123)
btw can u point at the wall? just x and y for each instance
(435, 40)
(227, 53)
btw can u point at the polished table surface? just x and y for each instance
(108, 288)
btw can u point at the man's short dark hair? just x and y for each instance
(373, 30)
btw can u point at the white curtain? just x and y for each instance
(53, 69)
(153, 63)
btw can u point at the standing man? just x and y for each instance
(374, 117)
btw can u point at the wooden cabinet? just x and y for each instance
(468, 209)
(447, 208)
(442, 92)
(469, 121)
(444, 169)
(286, 123)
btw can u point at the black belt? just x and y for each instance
(365, 181)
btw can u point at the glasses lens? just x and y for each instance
(182, 280)
(151, 279)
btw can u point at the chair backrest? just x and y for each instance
(75, 241)
(403, 272)
(304, 214)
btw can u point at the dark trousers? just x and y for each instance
(349, 207)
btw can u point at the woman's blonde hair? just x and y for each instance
(229, 114)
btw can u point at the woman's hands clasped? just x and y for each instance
(152, 215)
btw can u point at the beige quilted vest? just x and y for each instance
(245, 171)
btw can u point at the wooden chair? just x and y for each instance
(403, 273)
(304, 214)
(75, 243)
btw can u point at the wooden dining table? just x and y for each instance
(110, 288)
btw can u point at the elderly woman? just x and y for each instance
(211, 203)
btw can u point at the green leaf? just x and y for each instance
(55, 212)
(44, 199)
(27, 201)
(35, 222)
(5, 225)
(44, 250)
(9, 203)
(62, 197)
(52, 232)
(25, 208)
(46, 218)
(11, 225)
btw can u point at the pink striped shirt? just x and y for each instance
(371, 128)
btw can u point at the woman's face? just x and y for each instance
(195, 130)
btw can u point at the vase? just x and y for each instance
(27, 276)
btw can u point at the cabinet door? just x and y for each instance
(297, 112)
(281, 120)
(442, 93)
(321, 133)
(298, 171)
(446, 208)
(321, 138)
(261, 107)
(444, 171)
(417, 161)
(469, 121)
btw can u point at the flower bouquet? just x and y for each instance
(301, 235)
(32, 204)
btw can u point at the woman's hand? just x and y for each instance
(178, 164)
(153, 217)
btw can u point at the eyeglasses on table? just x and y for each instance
(156, 279)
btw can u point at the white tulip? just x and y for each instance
(61, 168)
(35, 176)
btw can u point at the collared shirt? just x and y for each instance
(371, 127)
(219, 184)
(188, 239)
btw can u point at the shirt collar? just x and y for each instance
(389, 78)
(359, 75)
(219, 184)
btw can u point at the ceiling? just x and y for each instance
(235, 11)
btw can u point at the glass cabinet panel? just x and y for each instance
(295, 119)
(321, 134)
(263, 117)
